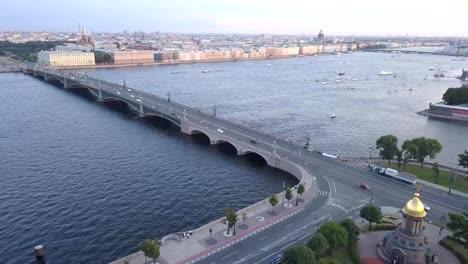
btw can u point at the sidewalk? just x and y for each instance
(201, 243)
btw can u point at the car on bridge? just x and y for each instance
(365, 186)
(132, 96)
(219, 130)
(253, 141)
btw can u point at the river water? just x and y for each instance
(90, 182)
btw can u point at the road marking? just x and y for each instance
(263, 237)
(334, 187)
(227, 256)
(356, 213)
(288, 225)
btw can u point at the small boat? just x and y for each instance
(176, 72)
(337, 80)
(269, 64)
(386, 73)
(439, 74)
(353, 79)
(459, 59)
(205, 71)
(324, 83)
(333, 116)
(341, 73)
(432, 68)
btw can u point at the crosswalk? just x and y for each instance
(323, 193)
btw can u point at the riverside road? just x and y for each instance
(338, 196)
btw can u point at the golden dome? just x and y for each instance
(415, 207)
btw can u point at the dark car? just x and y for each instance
(365, 186)
(253, 141)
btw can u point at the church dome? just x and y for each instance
(415, 207)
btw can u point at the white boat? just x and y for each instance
(324, 83)
(386, 73)
(337, 80)
(333, 116)
(432, 68)
(269, 64)
(206, 71)
(353, 79)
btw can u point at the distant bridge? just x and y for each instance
(276, 152)
(400, 51)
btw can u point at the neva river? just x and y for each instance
(91, 183)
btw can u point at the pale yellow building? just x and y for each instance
(133, 57)
(65, 58)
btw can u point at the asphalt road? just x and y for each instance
(339, 194)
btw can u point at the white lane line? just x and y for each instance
(227, 256)
(334, 187)
(263, 238)
(288, 225)
(356, 213)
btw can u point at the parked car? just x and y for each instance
(253, 141)
(219, 130)
(277, 259)
(365, 186)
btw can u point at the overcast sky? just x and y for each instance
(342, 17)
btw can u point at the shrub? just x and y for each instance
(456, 248)
(384, 227)
(352, 249)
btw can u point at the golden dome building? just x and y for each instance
(407, 244)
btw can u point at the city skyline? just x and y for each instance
(361, 17)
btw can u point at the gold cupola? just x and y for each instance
(415, 207)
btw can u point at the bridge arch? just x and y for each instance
(226, 147)
(255, 158)
(200, 136)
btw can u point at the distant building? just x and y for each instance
(321, 36)
(84, 39)
(133, 57)
(65, 58)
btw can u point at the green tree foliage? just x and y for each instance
(456, 96)
(102, 57)
(463, 159)
(299, 255)
(288, 195)
(329, 261)
(336, 235)
(459, 224)
(350, 226)
(319, 244)
(408, 148)
(420, 148)
(435, 169)
(232, 218)
(371, 213)
(388, 146)
(151, 249)
(273, 201)
(27, 51)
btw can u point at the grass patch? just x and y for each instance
(428, 175)
(340, 255)
(456, 248)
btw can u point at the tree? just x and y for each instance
(300, 191)
(459, 224)
(151, 249)
(387, 146)
(463, 159)
(299, 255)
(435, 169)
(399, 155)
(288, 195)
(231, 217)
(456, 96)
(336, 235)
(273, 201)
(371, 213)
(319, 244)
(350, 226)
(408, 149)
(424, 147)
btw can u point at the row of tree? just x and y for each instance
(417, 148)
(27, 51)
(330, 236)
(456, 96)
(232, 218)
